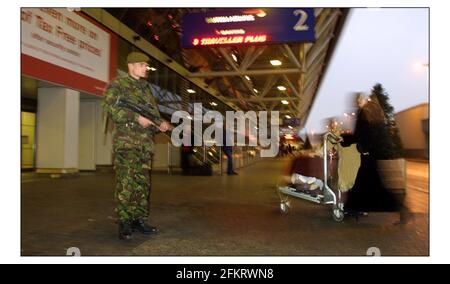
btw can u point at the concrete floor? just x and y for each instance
(210, 216)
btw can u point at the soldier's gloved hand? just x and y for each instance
(164, 126)
(144, 122)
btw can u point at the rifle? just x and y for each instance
(140, 108)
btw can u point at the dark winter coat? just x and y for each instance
(368, 193)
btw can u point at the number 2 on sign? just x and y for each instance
(300, 25)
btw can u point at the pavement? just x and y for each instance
(213, 216)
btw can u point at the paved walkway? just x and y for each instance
(218, 215)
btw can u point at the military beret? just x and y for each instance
(135, 56)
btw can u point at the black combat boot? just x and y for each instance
(141, 226)
(125, 232)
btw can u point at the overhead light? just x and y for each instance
(234, 57)
(151, 68)
(281, 88)
(284, 102)
(261, 14)
(213, 104)
(275, 62)
(290, 127)
(287, 116)
(190, 91)
(247, 77)
(255, 90)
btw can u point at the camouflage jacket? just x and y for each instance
(128, 134)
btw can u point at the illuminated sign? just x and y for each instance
(230, 19)
(286, 131)
(247, 27)
(227, 40)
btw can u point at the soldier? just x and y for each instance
(133, 146)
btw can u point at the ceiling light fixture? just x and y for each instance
(275, 62)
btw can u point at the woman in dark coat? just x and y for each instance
(371, 137)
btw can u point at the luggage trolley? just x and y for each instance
(323, 194)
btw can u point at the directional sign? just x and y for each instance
(291, 121)
(248, 26)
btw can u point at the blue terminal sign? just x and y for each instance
(248, 26)
(291, 121)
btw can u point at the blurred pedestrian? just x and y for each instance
(227, 148)
(368, 193)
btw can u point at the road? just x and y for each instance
(418, 186)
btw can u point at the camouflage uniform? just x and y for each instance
(133, 147)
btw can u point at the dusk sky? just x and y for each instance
(385, 45)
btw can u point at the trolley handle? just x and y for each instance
(333, 138)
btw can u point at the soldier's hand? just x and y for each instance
(164, 126)
(144, 122)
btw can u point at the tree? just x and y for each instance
(307, 145)
(394, 134)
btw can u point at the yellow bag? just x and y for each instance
(349, 162)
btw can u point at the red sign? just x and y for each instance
(67, 48)
(225, 40)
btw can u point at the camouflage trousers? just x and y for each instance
(133, 183)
